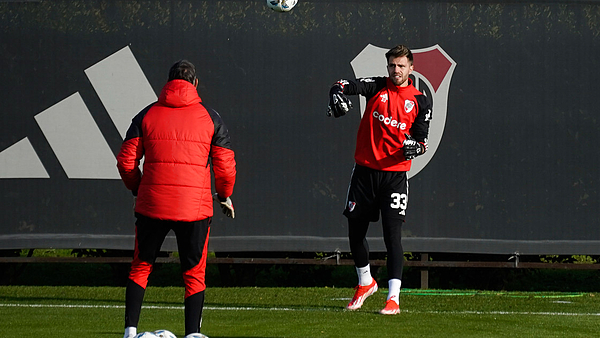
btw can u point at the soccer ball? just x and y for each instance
(145, 335)
(196, 335)
(281, 5)
(164, 334)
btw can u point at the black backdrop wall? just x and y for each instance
(515, 165)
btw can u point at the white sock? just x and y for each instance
(364, 275)
(130, 332)
(394, 289)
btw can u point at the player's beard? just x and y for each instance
(399, 80)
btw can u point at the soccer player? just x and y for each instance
(179, 138)
(393, 131)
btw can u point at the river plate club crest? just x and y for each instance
(432, 73)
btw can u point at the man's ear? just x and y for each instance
(196, 82)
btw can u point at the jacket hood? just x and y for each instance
(178, 93)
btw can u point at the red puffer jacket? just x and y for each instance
(179, 137)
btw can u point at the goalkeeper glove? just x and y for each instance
(226, 205)
(339, 104)
(412, 148)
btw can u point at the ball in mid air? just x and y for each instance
(281, 5)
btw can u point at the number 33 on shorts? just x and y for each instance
(399, 201)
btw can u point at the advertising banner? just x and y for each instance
(512, 164)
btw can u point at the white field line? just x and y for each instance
(237, 308)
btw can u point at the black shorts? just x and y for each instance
(373, 190)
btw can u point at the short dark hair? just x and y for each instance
(183, 70)
(399, 51)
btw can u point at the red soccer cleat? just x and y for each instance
(362, 292)
(391, 307)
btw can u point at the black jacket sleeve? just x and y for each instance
(420, 127)
(367, 86)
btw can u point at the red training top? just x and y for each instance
(391, 112)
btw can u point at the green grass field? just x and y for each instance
(300, 312)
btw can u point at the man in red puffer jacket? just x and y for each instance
(179, 138)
